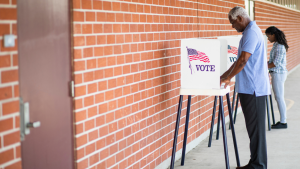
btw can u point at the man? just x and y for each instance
(252, 84)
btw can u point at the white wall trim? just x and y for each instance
(276, 4)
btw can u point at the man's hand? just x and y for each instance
(224, 80)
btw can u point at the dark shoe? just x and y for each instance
(244, 167)
(279, 125)
(275, 124)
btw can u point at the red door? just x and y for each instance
(45, 75)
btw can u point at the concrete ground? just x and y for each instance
(283, 144)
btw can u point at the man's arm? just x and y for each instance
(237, 67)
(270, 65)
(228, 71)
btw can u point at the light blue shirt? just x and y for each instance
(278, 57)
(254, 77)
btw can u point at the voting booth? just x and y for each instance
(203, 61)
(202, 64)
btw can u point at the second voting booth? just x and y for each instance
(203, 61)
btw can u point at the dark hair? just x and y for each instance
(279, 35)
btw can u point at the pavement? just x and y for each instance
(283, 144)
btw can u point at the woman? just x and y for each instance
(278, 71)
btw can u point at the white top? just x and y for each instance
(205, 92)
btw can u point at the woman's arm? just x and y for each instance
(270, 65)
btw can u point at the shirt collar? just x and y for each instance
(248, 26)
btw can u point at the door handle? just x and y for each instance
(34, 124)
(25, 123)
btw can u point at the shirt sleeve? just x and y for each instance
(278, 55)
(250, 42)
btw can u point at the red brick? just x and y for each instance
(92, 111)
(98, 51)
(88, 52)
(88, 76)
(6, 124)
(88, 101)
(97, 5)
(4, 60)
(9, 76)
(99, 98)
(98, 28)
(107, 5)
(111, 39)
(11, 138)
(110, 17)
(8, 13)
(86, 4)
(10, 107)
(6, 156)
(90, 16)
(5, 93)
(79, 65)
(78, 16)
(6, 2)
(91, 64)
(87, 28)
(79, 41)
(92, 88)
(94, 159)
(82, 164)
(16, 165)
(15, 60)
(91, 40)
(102, 108)
(108, 50)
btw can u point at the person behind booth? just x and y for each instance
(278, 71)
(252, 84)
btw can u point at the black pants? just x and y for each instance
(254, 109)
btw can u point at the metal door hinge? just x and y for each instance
(72, 88)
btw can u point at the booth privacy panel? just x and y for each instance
(201, 63)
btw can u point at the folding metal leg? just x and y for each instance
(212, 122)
(236, 107)
(271, 104)
(186, 129)
(268, 113)
(233, 131)
(176, 133)
(224, 133)
(218, 126)
(233, 99)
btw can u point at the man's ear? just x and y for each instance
(239, 19)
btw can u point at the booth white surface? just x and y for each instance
(232, 49)
(201, 67)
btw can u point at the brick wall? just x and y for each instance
(10, 157)
(287, 20)
(127, 77)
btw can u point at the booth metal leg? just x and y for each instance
(218, 126)
(176, 133)
(186, 129)
(212, 122)
(224, 133)
(271, 104)
(236, 107)
(233, 131)
(233, 99)
(268, 113)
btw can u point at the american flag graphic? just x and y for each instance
(233, 50)
(196, 55)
